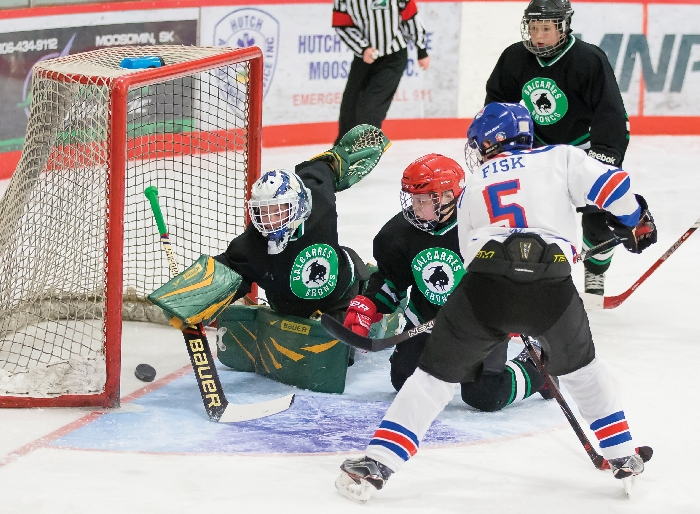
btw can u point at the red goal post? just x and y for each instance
(79, 250)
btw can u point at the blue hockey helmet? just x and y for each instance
(279, 203)
(496, 128)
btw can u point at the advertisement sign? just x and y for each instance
(19, 51)
(307, 64)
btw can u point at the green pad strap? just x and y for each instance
(198, 294)
(357, 153)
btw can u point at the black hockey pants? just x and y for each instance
(496, 298)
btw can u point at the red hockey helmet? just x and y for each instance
(433, 173)
(422, 186)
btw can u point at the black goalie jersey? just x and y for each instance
(313, 272)
(407, 256)
(573, 98)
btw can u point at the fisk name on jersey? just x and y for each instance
(502, 165)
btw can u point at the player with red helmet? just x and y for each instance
(418, 249)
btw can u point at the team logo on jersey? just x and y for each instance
(437, 272)
(314, 272)
(240, 29)
(545, 101)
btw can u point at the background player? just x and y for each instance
(570, 90)
(418, 249)
(517, 229)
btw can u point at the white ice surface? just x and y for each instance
(650, 344)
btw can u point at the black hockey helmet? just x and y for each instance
(557, 11)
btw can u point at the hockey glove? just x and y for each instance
(357, 153)
(361, 314)
(642, 236)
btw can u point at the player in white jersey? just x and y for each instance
(517, 231)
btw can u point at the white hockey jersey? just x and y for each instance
(536, 191)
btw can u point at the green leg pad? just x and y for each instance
(288, 349)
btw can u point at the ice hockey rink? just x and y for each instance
(158, 453)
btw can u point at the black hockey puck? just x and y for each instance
(145, 372)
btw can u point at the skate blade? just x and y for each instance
(359, 493)
(627, 484)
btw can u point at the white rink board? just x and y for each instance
(307, 62)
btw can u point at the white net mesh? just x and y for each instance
(187, 136)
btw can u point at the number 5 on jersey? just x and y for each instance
(513, 213)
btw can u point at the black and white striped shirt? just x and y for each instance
(382, 24)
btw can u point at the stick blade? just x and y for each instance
(235, 413)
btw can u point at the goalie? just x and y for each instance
(290, 248)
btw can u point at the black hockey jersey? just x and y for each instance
(313, 272)
(407, 256)
(573, 98)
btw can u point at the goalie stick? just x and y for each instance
(218, 408)
(610, 302)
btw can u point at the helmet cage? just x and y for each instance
(273, 215)
(472, 155)
(562, 25)
(409, 212)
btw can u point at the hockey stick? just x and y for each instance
(602, 247)
(645, 452)
(597, 459)
(610, 302)
(368, 344)
(216, 405)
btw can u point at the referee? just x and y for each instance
(376, 31)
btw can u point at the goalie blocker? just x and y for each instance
(198, 294)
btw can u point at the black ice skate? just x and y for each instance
(360, 478)
(625, 468)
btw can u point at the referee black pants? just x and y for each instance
(369, 91)
(484, 309)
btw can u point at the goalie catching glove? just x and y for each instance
(357, 153)
(361, 314)
(198, 294)
(640, 237)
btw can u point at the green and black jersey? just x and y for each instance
(313, 272)
(407, 257)
(573, 98)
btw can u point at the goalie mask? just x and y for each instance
(497, 128)
(430, 187)
(279, 203)
(546, 26)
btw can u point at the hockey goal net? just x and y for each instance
(79, 249)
